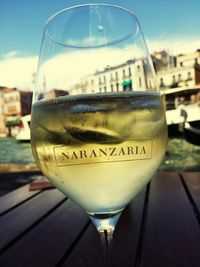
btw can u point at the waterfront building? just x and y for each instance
(128, 76)
(190, 59)
(171, 72)
(15, 105)
(3, 129)
(185, 72)
(179, 76)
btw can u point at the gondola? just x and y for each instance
(182, 120)
(192, 132)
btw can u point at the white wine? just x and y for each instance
(101, 149)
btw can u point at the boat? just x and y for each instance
(175, 121)
(192, 132)
(24, 129)
(177, 118)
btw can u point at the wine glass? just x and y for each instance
(98, 128)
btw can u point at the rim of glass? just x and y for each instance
(52, 17)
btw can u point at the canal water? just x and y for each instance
(12, 151)
(180, 154)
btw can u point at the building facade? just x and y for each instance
(133, 75)
(188, 59)
(179, 77)
(184, 73)
(13, 105)
(3, 129)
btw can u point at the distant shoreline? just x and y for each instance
(13, 167)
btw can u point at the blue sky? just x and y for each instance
(167, 24)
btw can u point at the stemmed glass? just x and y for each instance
(98, 129)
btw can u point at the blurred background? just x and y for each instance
(172, 33)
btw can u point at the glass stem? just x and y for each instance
(106, 240)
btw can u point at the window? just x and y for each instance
(104, 88)
(12, 109)
(104, 78)
(124, 73)
(150, 85)
(162, 82)
(129, 71)
(138, 67)
(189, 77)
(99, 80)
(111, 88)
(127, 85)
(117, 86)
(11, 98)
(111, 77)
(179, 77)
(140, 82)
(130, 86)
(116, 75)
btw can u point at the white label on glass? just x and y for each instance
(103, 153)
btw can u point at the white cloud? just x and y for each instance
(11, 54)
(17, 71)
(174, 46)
(87, 42)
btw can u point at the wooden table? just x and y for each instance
(160, 228)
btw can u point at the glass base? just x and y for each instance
(105, 222)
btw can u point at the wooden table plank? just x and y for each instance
(45, 244)
(192, 181)
(15, 222)
(15, 197)
(11, 180)
(172, 235)
(89, 251)
(46, 231)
